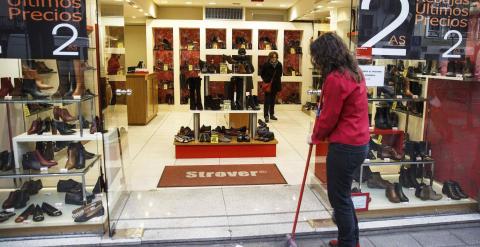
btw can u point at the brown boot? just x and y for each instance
(7, 86)
(18, 88)
(377, 182)
(61, 113)
(72, 157)
(389, 152)
(79, 77)
(392, 195)
(427, 193)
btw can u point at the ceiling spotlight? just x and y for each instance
(319, 7)
(259, 4)
(212, 3)
(329, 7)
(145, 14)
(141, 10)
(135, 6)
(163, 2)
(188, 2)
(134, 17)
(118, 0)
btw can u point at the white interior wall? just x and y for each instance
(307, 28)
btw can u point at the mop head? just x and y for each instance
(290, 241)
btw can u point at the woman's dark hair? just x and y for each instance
(271, 54)
(330, 54)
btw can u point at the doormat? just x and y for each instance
(220, 175)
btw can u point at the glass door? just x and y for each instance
(113, 107)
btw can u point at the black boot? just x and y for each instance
(426, 70)
(30, 87)
(191, 89)
(410, 150)
(403, 180)
(399, 192)
(198, 94)
(468, 69)
(451, 68)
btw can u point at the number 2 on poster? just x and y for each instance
(460, 39)
(59, 51)
(387, 30)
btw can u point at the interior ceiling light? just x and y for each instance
(146, 14)
(283, 5)
(259, 4)
(212, 3)
(141, 10)
(163, 2)
(329, 7)
(188, 2)
(319, 7)
(134, 17)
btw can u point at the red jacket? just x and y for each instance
(344, 117)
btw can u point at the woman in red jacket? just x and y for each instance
(343, 121)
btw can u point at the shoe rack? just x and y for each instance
(23, 143)
(163, 55)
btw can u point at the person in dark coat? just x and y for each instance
(271, 73)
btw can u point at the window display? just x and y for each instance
(292, 55)
(163, 55)
(267, 39)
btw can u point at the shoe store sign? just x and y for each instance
(43, 29)
(414, 29)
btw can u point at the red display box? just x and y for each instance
(225, 150)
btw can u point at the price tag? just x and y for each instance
(26, 111)
(367, 161)
(190, 47)
(27, 222)
(64, 170)
(292, 50)
(215, 46)
(379, 139)
(248, 93)
(415, 96)
(77, 97)
(419, 158)
(165, 67)
(293, 72)
(459, 76)
(268, 47)
(386, 159)
(394, 105)
(165, 86)
(243, 46)
(10, 210)
(394, 128)
(98, 196)
(8, 97)
(44, 169)
(399, 97)
(214, 138)
(190, 67)
(58, 204)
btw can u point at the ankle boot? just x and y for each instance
(410, 150)
(391, 194)
(7, 87)
(62, 113)
(399, 192)
(198, 95)
(81, 156)
(18, 88)
(35, 127)
(48, 152)
(79, 78)
(43, 161)
(45, 126)
(412, 176)
(63, 88)
(403, 179)
(421, 149)
(30, 87)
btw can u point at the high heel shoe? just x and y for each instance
(61, 128)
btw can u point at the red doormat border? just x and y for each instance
(220, 175)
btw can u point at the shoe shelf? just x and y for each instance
(50, 225)
(50, 100)
(224, 77)
(232, 143)
(454, 78)
(419, 99)
(54, 171)
(49, 137)
(233, 149)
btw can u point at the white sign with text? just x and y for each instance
(374, 75)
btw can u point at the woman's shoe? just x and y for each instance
(61, 127)
(61, 113)
(50, 210)
(38, 214)
(35, 127)
(25, 214)
(43, 161)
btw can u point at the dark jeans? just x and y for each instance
(269, 105)
(342, 161)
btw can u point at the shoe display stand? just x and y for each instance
(23, 143)
(58, 225)
(225, 77)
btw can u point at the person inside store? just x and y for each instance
(342, 120)
(271, 72)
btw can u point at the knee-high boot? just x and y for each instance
(198, 96)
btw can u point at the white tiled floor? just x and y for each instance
(226, 211)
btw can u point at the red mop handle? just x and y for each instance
(301, 191)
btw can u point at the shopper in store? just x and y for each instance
(271, 73)
(343, 121)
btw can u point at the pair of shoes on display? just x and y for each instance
(5, 215)
(37, 212)
(264, 136)
(46, 149)
(225, 139)
(185, 135)
(408, 177)
(455, 68)
(235, 131)
(389, 152)
(453, 190)
(377, 182)
(431, 68)
(395, 194)
(35, 160)
(97, 126)
(242, 137)
(74, 191)
(6, 87)
(251, 103)
(77, 155)
(212, 103)
(19, 198)
(60, 145)
(416, 150)
(204, 137)
(76, 198)
(23, 87)
(426, 192)
(6, 161)
(69, 185)
(384, 119)
(62, 114)
(89, 211)
(205, 128)
(40, 126)
(37, 108)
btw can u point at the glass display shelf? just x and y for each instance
(54, 171)
(419, 99)
(380, 162)
(48, 100)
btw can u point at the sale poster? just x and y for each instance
(414, 29)
(43, 29)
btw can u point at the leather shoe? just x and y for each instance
(90, 212)
(427, 193)
(32, 187)
(50, 210)
(391, 195)
(389, 152)
(4, 216)
(61, 113)
(399, 192)
(10, 201)
(25, 214)
(21, 199)
(449, 190)
(377, 182)
(458, 190)
(62, 128)
(77, 198)
(38, 214)
(69, 186)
